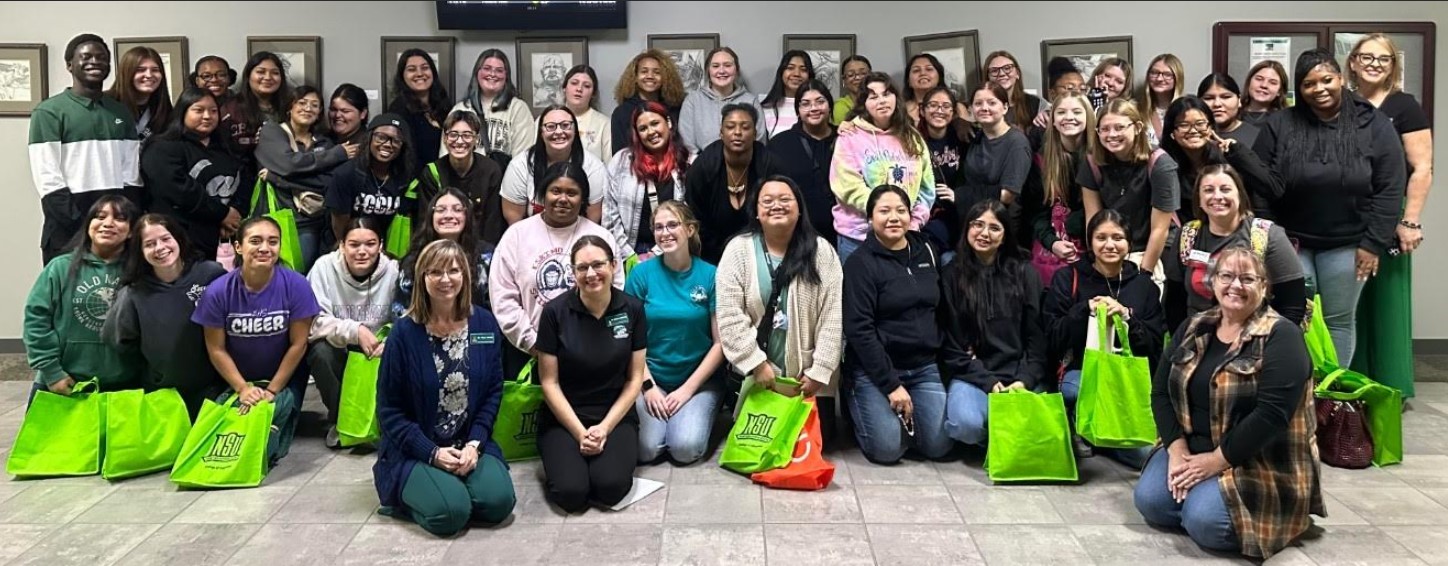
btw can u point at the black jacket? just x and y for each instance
(1326, 204)
(1010, 348)
(197, 185)
(707, 192)
(807, 161)
(1068, 310)
(890, 309)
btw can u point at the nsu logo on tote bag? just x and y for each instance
(758, 428)
(225, 449)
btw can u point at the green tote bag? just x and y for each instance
(1029, 439)
(764, 434)
(1319, 342)
(399, 231)
(225, 448)
(60, 435)
(286, 218)
(1384, 410)
(144, 431)
(357, 408)
(1113, 409)
(516, 428)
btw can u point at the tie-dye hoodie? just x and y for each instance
(868, 157)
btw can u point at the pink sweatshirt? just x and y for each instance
(867, 158)
(530, 267)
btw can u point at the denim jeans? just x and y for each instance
(966, 412)
(685, 435)
(1134, 458)
(878, 429)
(1203, 513)
(847, 246)
(1333, 273)
(311, 238)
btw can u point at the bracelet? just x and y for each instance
(1410, 225)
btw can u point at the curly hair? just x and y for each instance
(671, 92)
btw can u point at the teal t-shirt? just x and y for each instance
(777, 338)
(677, 304)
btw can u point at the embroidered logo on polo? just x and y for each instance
(256, 325)
(93, 297)
(759, 427)
(227, 448)
(699, 295)
(618, 324)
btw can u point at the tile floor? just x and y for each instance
(319, 507)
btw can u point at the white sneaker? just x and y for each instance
(332, 441)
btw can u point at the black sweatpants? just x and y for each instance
(573, 480)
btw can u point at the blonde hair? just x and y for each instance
(440, 255)
(1119, 63)
(686, 217)
(1283, 83)
(1140, 146)
(1148, 100)
(671, 89)
(1395, 76)
(1238, 252)
(1057, 167)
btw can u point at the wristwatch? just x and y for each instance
(648, 384)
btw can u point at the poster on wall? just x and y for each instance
(1277, 49)
(688, 52)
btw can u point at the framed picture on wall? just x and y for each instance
(23, 81)
(958, 52)
(175, 58)
(301, 57)
(688, 52)
(542, 62)
(443, 51)
(1085, 53)
(827, 53)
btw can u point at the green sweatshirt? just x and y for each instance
(63, 320)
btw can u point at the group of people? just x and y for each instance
(907, 248)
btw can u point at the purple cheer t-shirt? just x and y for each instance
(256, 324)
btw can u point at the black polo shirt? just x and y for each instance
(593, 353)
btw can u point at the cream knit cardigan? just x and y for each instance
(815, 338)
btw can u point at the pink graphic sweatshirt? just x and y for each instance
(531, 267)
(867, 158)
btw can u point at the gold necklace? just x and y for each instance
(735, 186)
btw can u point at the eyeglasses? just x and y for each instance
(451, 272)
(984, 226)
(455, 209)
(1002, 70)
(209, 77)
(1160, 75)
(1226, 278)
(1115, 129)
(598, 266)
(1380, 60)
(1199, 125)
(938, 106)
(857, 74)
(382, 139)
(550, 127)
(784, 202)
(667, 226)
(464, 136)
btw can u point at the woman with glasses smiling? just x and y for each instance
(378, 182)
(1194, 142)
(558, 142)
(1003, 70)
(464, 169)
(1125, 174)
(299, 161)
(1164, 83)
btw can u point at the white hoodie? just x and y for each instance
(346, 303)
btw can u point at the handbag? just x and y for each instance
(1383, 408)
(516, 429)
(225, 448)
(1113, 409)
(357, 407)
(1042, 258)
(144, 432)
(766, 430)
(1029, 439)
(60, 435)
(1342, 434)
(807, 470)
(290, 251)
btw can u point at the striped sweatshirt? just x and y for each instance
(83, 145)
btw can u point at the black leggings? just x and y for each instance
(575, 479)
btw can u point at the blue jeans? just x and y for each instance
(1135, 458)
(1203, 513)
(966, 411)
(878, 428)
(311, 239)
(1333, 273)
(846, 247)
(685, 435)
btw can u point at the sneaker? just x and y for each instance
(332, 441)
(1081, 448)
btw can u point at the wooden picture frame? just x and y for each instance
(1084, 52)
(958, 52)
(301, 57)
(688, 51)
(443, 51)
(24, 81)
(175, 58)
(827, 53)
(542, 63)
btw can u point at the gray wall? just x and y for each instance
(350, 32)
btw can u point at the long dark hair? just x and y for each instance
(799, 259)
(251, 102)
(776, 90)
(425, 234)
(321, 127)
(438, 101)
(816, 85)
(900, 126)
(176, 127)
(989, 290)
(1103, 217)
(592, 76)
(400, 168)
(934, 63)
(122, 208)
(1310, 139)
(124, 89)
(958, 128)
(137, 268)
(538, 154)
(1175, 112)
(573, 172)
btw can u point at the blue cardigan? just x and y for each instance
(407, 395)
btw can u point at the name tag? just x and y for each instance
(481, 338)
(1199, 256)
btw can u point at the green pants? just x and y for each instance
(442, 503)
(1385, 325)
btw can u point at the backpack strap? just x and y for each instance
(1188, 239)
(1259, 233)
(1151, 161)
(436, 177)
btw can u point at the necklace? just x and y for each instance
(736, 186)
(1115, 293)
(571, 235)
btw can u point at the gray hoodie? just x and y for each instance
(699, 118)
(347, 303)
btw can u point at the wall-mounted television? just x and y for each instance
(538, 15)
